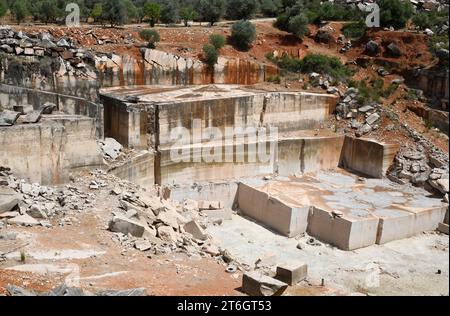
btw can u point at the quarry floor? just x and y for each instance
(413, 266)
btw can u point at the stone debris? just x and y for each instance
(428, 170)
(64, 290)
(257, 284)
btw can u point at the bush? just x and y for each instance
(430, 19)
(395, 13)
(217, 40)
(150, 36)
(211, 55)
(354, 30)
(322, 64)
(243, 33)
(274, 79)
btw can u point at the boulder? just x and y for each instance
(8, 118)
(371, 119)
(33, 117)
(121, 224)
(292, 273)
(37, 211)
(111, 148)
(63, 43)
(393, 50)
(441, 184)
(48, 108)
(372, 47)
(24, 220)
(195, 230)
(167, 234)
(257, 284)
(8, 200)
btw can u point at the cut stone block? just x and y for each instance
(347, 233)
(225, 214)
(257, 284)
(443, 228)
(292, 273)
(285, 219)
(195, 230)
(24, 220)
(8, 200)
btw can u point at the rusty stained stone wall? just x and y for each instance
(159, 67)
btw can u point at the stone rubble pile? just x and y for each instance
(64, 290)
(72, 59)
(26, 204)
(157, 226)
(425, 165)
(25, 114)
(364, 118)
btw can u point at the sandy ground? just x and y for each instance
(85, 252)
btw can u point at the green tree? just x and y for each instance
(169, 12)
(48, 11)
(187, 14)
(211, 55)
(298, 25)
(153, 11)
(217, 40)
(132, 11)
(395, 13)
(19, 10)
(150, 36)
(211, 10)
(271, 7)
(243, 33)
(97, 12)
(3, 8)
(114, 12)
(241, 9)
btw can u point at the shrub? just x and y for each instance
(395, 13)
(325, 65)
(217, 40)
(243, 33)
(274, 79)
(322, 64)
(150, 36)
(211, 55)
(354, 30)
